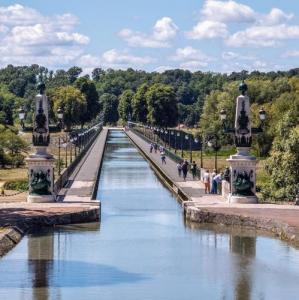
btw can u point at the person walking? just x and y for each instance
(206, 181)
(214, 183)
(163, 158)
(179, 167)
(155, 147)
(185, 169)
(151, 147)
(193, 169)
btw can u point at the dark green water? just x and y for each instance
(144, 250)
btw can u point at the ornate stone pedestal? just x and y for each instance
(41, 178)
(41, 164)
(243, 173)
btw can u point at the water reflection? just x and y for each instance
(245, 248)
(40, 263)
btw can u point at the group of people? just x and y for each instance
(154, 147)
(212, 181)
(183, 167)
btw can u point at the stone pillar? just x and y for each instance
(41, 163)
(242, 164)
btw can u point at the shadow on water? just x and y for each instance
(45, 273)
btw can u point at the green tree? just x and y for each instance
(283, 166)
(109, 103)
(73, 103)
(162, 105)
(139, 104)
(88, 89)
(124, 105)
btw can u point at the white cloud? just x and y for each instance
(29, 37)
(164, 30)
(162, 69)
(227, 11)
(208, 30)
(191, 58)
(189, 53)
(115, 57)
(291, 53)
(229, 55)
(276, 16)
(263, 36)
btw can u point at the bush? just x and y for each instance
(16, 185)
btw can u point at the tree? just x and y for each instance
(124, 105)
(283, 167)
(109, 103)
(88, 89)
(162, 105)
(73, 73)
(139, 104)
(73, 103)
(97, 73)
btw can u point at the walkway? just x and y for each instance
(82, 183)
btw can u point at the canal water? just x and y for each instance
(143, 249)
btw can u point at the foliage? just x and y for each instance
(139, 104)
(124, 105)
(109, 102)
(283, 167)
(88, 89)
(73, 103)
(16, 185)
(162, 105)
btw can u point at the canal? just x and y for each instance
(144, 250)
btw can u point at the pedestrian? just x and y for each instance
(185, 169)
(163, 158)
(227, 174)
(214, 183)
(206, 181)
(151, 147)
(179, 167)
(193, 169)
(155, 147)
(217, 179)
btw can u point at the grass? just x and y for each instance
(13, 174)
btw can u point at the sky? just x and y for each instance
(156, 35)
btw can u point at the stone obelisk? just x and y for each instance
(41, 163)
(242, 164)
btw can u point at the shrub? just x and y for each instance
(17, 185)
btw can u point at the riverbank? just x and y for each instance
(17, 218)
(76, 203)
(280, 220)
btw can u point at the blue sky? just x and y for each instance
(211, 35)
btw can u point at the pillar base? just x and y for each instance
(40, 198)
(242, 199)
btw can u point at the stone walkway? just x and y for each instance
(81, 184)
(284, 217)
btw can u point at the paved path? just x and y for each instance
(193, 188)
(82, 182)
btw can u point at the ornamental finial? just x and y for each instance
(243, 87)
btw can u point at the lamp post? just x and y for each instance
(21, 113)
(242, 164)
(60, 117)
(213, 142)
